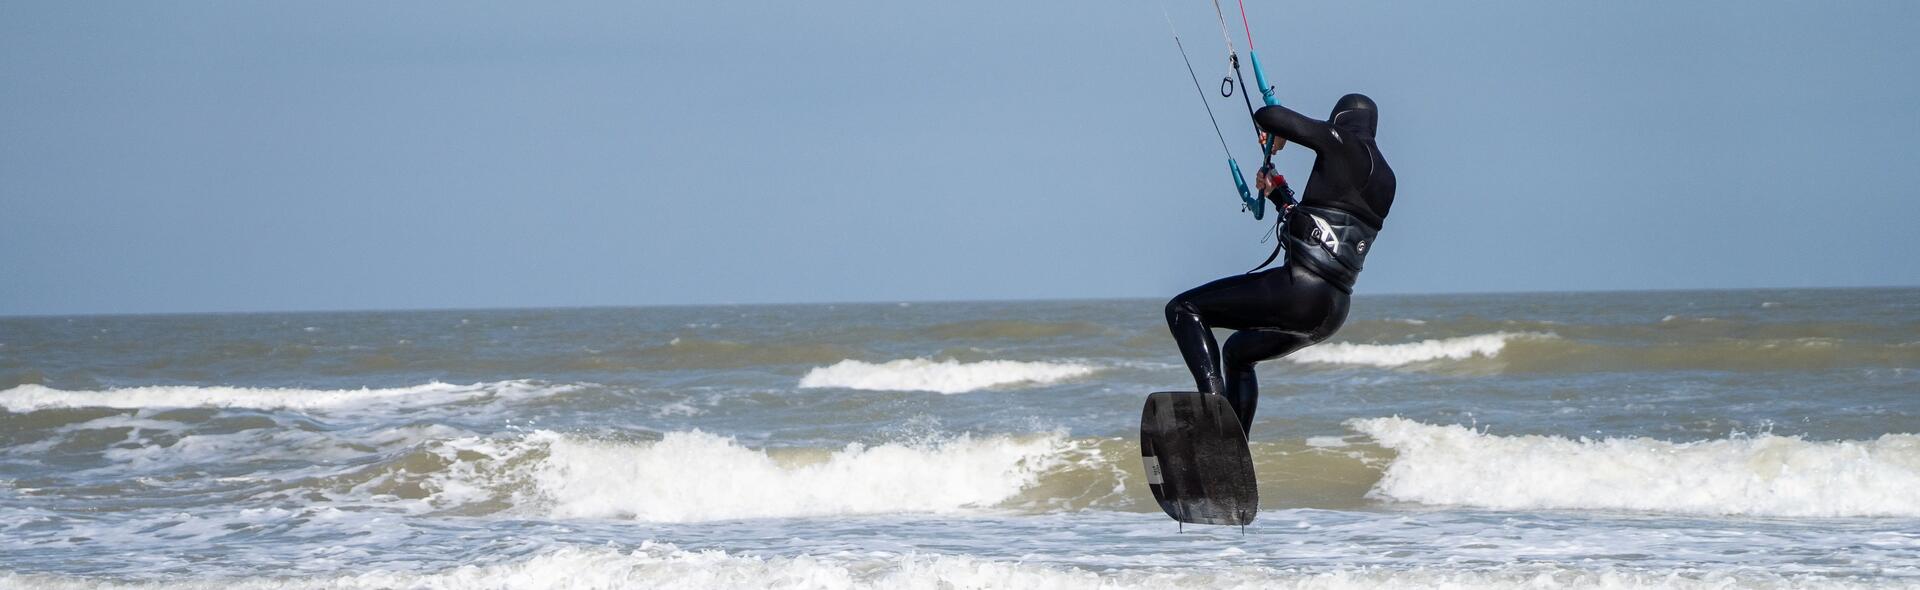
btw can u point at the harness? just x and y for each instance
(1326, 241)
(1330, 242)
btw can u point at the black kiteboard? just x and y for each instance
(1197, 460)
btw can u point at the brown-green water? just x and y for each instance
(1672, 439)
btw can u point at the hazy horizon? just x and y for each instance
(1358, 296)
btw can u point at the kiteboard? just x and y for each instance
(1196, 458)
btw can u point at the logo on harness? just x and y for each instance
(1323, 233)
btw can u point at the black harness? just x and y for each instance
(1329, 242)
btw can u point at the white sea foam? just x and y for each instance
(1761, 475)
(694, 476)
(948, 376)
(1394, 355)
(27, 398)
(666, 567)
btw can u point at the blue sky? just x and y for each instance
(241, 156)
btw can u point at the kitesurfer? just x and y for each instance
(1326, 235)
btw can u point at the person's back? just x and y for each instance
(1350, 178)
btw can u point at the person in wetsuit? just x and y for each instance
(1327, 236)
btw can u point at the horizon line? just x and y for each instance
(900, 302)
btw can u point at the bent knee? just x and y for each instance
(1248, 348)
(1178, 306)
(1239, 360)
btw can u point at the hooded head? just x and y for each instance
(1355, 113)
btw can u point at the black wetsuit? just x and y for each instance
(1284, 309)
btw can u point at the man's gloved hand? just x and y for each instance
(1274, 187)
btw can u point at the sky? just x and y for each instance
(259, 156)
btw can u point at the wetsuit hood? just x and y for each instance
(1355, 113)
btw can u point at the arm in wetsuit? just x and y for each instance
(1315, 134)
(1348, 172)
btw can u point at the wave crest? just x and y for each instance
(948, 376)
(29, 398)
(1762, 475)
(1395, 355)
(694, 476)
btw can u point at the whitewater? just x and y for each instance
(1729, 439)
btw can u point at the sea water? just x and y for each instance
(1721, 439)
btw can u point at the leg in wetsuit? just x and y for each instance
(1282, 310)
(1276, 312)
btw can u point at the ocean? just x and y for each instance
(1684, 439)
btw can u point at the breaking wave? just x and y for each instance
(1557, 352)
(1394, 355)
(1761, 475)
(694, 476)
(29, 398)
(948, 376)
